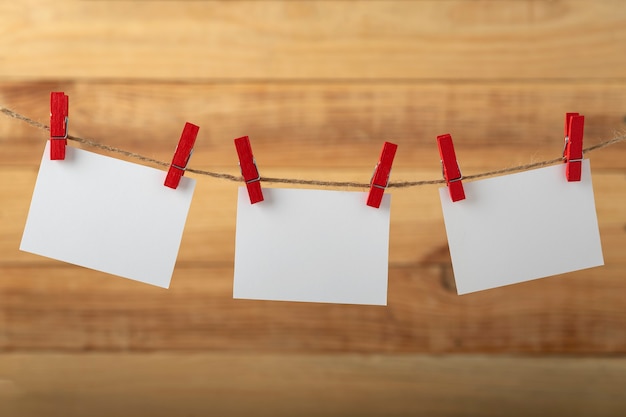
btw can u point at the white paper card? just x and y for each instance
(520, 227)
(312, 245)
(109, 215)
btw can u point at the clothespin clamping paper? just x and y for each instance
(59, 104)
(181, 155)
(450, 167)
(573, 150)
(380, 178)
(249, 170)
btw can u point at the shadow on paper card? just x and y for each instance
(109, 215)
(312, 245)
(520, 227)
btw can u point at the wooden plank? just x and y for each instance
(417, 233)
(230, 384)
(67, 308)
(324, 125)
(569, 39)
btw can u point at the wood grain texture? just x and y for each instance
(318, 86)
(325, 125)
(417, 233)
(232, 384)
(481, 40)
(66, 308)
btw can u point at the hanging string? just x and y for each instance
(235, 178)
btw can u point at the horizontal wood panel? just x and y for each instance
(318, 86)
(323, 125)
(67, 308)
(417, 233)
(308, 385)
(313, 40)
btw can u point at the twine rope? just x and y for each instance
(229, 177)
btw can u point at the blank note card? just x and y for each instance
(520, 227)
(109, 215)
(312, 245)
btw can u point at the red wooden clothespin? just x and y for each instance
(59, 105)
(450, 167)
(573, 151)
(249, 170)
(380, 178)
(181, 155)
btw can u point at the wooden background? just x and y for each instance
(318, 86)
